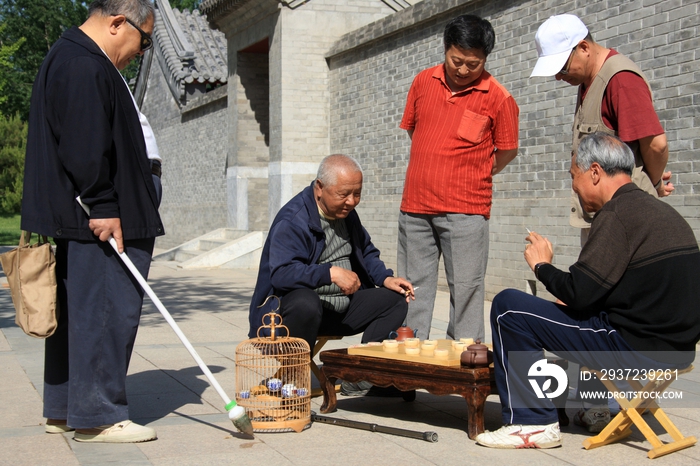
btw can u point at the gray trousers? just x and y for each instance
(463, 241)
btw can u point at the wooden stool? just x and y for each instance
(320, 343)
(631, 413)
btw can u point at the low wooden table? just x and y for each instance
(474, 385)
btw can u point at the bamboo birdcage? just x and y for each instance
(273, 380)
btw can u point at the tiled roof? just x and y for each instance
(215, 9)
(188, 49)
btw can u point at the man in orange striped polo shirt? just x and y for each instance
(463, 126)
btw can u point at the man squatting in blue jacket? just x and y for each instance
(320, 261)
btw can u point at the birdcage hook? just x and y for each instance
(272, 323)
(279, 302)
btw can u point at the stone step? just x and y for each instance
(182, 256)
(223, 247)
(209, 244)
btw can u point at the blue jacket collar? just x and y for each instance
(312, 208)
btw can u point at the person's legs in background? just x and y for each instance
(418, 256)
(464, 241)
(56, 352)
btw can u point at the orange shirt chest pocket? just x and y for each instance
(473, 128)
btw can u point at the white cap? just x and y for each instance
(555, 39)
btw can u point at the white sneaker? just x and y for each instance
(518, 436)
(593, 419)
(121, 432)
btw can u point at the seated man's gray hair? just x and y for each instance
(613, 155)
(329, 165)
(137, 11)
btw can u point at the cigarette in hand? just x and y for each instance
(528, 230)
(408, 292)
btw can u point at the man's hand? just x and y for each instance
(539, 250)
(400, 285)
(347, 280)
(654, 152)
(502, 158)
(666, 187)
(104, 228)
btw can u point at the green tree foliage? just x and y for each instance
(13, 137)
(6, 54)
(35, 25)
(183, 5)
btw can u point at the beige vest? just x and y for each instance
(588, 120)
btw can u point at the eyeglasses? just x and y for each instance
(564, 71)
(146, 39)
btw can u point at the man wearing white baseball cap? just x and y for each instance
(613, 97)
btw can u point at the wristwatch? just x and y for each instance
(537, 269)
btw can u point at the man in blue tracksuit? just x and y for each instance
(630, 298)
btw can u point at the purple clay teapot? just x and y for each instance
(402, 333)
(476, 355)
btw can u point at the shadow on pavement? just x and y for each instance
(185, 296)
(154, 394)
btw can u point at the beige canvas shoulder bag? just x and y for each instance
(31, 275)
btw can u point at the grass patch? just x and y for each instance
(9, 229)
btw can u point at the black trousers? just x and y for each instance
(87, 359)
(375, 311)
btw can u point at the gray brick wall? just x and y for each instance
(298, 90)
(331, 93)
(193, 147)
(372, 68)
(299, 83)
(233, 162)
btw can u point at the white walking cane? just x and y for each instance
(235, 413)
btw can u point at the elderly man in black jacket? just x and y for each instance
(88, 139)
